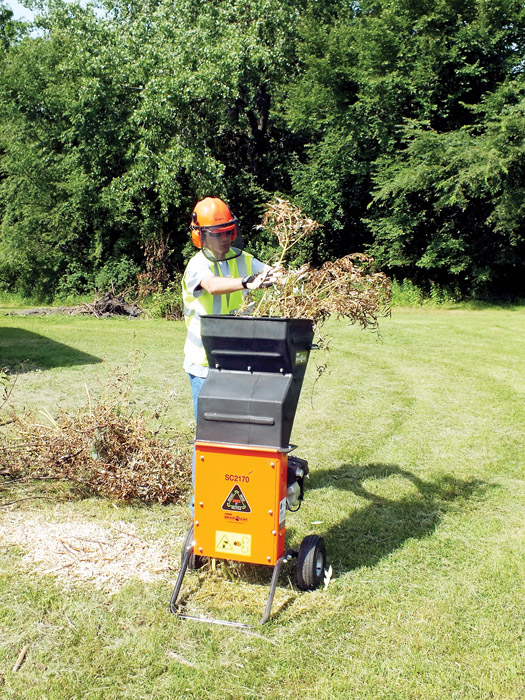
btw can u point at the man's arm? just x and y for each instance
(221, 285)
(228, 285)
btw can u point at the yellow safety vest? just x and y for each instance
(206, 303)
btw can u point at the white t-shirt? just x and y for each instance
(197, 269)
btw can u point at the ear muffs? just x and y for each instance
(195, 231)
(196, 237)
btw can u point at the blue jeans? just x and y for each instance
(196, 386)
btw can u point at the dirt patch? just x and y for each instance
(80, 551)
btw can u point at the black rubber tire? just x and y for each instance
(195, 561)
(311, 563)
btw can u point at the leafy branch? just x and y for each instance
(349, 287)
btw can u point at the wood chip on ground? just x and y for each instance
(78, 551)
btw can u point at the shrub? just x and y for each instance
(167, 303)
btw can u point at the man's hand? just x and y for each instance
(263, 280)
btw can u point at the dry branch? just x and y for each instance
(20, 659)
(109, 304)
(110, 451)
(349, 287)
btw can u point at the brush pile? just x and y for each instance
(349, 287)
(111, 452)
(110, 304)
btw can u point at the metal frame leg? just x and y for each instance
(180, 577)
(287, 556)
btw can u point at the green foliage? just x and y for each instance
(111, 127)
(167, 303)
(396, 125)
(437, 67)
(452, 203)
(58, 150)
(406, 293)
(117, 274)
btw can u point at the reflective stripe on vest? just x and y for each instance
(206, 303)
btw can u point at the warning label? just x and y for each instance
(233, 543)
(236, 501)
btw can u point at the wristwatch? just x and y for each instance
(246, 280)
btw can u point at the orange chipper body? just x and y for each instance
(240, 503)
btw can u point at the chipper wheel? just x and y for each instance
(195, 562)
(311, 563)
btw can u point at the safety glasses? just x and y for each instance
(227, 229)
(217, 234)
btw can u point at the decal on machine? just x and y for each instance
(233, 543)
(282, 512)
(301, 357)
(236, 501)
(234, 517)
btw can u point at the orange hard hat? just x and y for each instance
(212, 216)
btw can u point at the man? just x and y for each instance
(216, 280)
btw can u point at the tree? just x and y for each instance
(450, 208)
(379, 118)
(61, 139)
(376, 67)
(113, 126)
(10, 29)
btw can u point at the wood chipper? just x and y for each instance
(246, 478)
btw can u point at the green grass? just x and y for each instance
(59, 359)
(415, 444)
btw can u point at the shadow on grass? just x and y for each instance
(382, 525)
(374, 530)
(24, 351)
(368, 534)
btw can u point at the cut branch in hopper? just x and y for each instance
(348, 287)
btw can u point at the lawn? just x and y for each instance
(415, 445)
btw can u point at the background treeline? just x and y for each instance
(397, 124)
